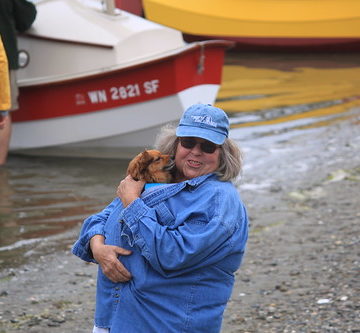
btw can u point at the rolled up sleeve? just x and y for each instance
(93, 225)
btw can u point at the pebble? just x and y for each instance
(323, 301)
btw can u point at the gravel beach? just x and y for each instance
(301, 269)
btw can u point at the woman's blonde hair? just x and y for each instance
(231, 157)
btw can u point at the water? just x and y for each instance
(43, 199)
(281, 93)
(269, 98)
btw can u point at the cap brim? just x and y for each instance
(202, 133)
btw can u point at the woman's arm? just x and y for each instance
(91, 246)
(93, 225)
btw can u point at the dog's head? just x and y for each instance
(150, 166)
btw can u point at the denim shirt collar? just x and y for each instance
(165, 191)
(199, 180)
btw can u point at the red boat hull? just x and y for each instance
(121, 87)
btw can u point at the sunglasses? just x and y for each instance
(205, 146)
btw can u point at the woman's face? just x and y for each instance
(193, 162)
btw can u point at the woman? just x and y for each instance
(178, 244)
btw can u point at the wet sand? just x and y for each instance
(300, 273)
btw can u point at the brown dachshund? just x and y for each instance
(150, 166)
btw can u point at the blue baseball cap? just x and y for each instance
(204, 121)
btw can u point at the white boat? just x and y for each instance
(100, 84)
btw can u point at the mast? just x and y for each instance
(110, 7)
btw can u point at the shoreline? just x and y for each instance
(300, 270)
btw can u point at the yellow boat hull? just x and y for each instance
(262, 22)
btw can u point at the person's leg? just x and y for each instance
(5, 134)
(3, 114)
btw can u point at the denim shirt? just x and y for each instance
(187, 240)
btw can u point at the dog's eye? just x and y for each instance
(157, 159)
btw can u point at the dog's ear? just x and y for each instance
(145, 157)
(141, 168)
(145, 160)
(135, 166)
(138, 166)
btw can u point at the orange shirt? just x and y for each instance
(5, 99)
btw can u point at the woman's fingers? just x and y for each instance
(123, 273)
(129, 190)
(107, 257)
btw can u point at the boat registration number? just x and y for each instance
(124, 92)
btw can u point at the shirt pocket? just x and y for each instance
(164, 215)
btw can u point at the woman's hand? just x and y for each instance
(129, 190)
(107, 257)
